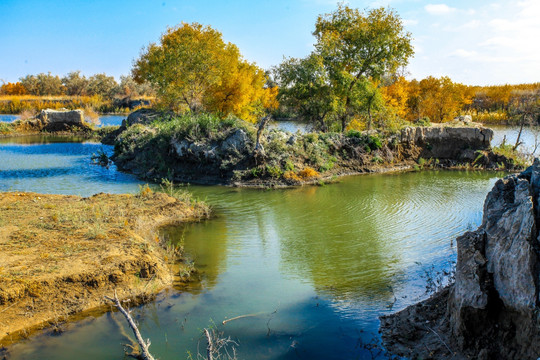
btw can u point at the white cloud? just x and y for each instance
(462, 53)
(410, 22)
(439, 9)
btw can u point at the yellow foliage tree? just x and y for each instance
(193, 69)
(396, 95)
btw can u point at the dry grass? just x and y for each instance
(61, 254)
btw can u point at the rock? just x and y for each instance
(142, 116)
(509, 224)
(235, 142)
(73, 117)
(493, 306)
(180, 147)
(447, 142)
(292, 140)
(466, 119)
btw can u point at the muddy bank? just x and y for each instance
(59, 255)
(206, 150)
(491, 310)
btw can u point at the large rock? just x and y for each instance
(444, 142)
(143, 116)
(236, 142)
(72, 117)
(493, 306)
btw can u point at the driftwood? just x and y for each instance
(143, 345)
(210, 347)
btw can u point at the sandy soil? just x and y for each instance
(59, 255)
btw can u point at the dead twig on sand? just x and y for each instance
(143, 345)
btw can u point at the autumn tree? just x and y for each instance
(525, 109)
(396, 95)
(194, 69)
(12, 89)
(103, 85)
(129, 87)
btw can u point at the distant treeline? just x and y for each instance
(441, 99)
(75, 84)
(99, 92)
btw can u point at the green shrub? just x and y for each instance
(354, 134)
(374, 142)
(424, 121)
(274, 171)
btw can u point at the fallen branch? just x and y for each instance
(241, 317)
(144, 345)
(209, 348)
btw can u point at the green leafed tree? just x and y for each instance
(305, 87)
(75, 83)
(103, 85)
(355, 50)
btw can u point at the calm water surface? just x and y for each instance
(104, 120)
(314, 267)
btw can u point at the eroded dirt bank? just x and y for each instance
(59, 255)
(204, 150)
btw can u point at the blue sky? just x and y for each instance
(474, 42)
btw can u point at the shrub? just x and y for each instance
(354, 134)
(308, 173)
(291, 175)
(374, 142)
(424, 121)
(274, 171)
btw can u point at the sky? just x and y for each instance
(473, 42)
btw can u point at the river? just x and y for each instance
(313, 267)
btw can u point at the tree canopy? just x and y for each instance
(194, 69)
(353, 51)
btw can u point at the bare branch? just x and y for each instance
(144, 345)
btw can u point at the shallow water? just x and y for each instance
(314, 267)
(104, 120)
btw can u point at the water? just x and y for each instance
(104, 120)
(8, 118)
(528, 137)
(58, 166)
(314, 267)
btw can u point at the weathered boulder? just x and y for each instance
(235, 145)
(72, 117)
(236, 142)
(142, 116)
(492, 308)
(467, 119)
(443, 142)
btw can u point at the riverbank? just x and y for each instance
(491, 308)
(61, 254)
(207, 150)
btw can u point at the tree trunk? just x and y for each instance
(519, 134)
